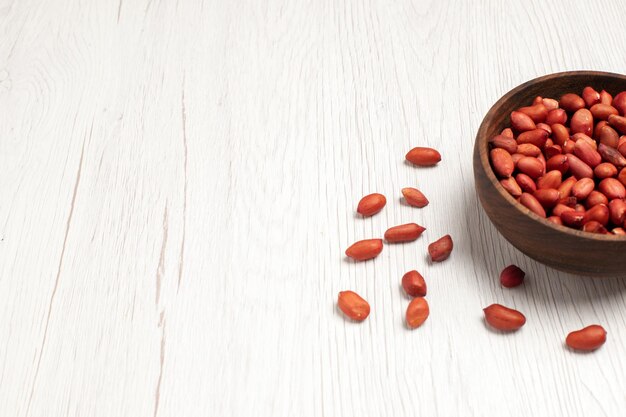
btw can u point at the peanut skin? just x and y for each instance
(353, 305)
(440, 249)
(587, 339)
(365, 249)
(371, 204)
(504, 318)
(417, 312)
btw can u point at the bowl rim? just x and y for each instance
(486, 165)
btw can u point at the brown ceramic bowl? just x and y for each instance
(557, 246)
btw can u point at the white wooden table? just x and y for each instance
(178, 183)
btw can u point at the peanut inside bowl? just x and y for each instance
(561, 247)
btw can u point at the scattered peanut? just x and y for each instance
(423, 156)
(371, 204)
(414, 197)
(417, 312)
(589, 338)
(353, 305)
(404, 233)
(414, 284)
(440, 249)
(512, 276)
(365, 249)
(504, 318)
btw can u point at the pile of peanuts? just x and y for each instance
(565, 160)
(353, 305)
(496, 315)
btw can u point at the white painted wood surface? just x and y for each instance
(178, 183)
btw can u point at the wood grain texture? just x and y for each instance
(179, 180)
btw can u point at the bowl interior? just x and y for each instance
(552, 86)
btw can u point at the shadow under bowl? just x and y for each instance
(559, 247)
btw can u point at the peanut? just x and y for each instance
(532, 204)
(582, 122)
(507, 143)
(605, 170)
(522, 122)
(595, 198)
(565, 189)
(594, 227)
(552, 151)
(537, 137)
(552, 179)
(530, 166)
(617, 211)
(612, 188)
(587, 339)
(568, 147)
(550, 103)
(512, 276)
(590, 96)
(560, 134)
(537, 112)
(587, 154)
(526, 183)
(365, 249)
(568, 201)
(504, 318)
(528, 149)
(583, 188)
(414, 197)
(417, 312)
(558, 163)
(556, 116)
(582, 137)
(605, 97)
(579, 168)
(423, 156)
(602, 111)
(507, 132)
(547, 197)
(598, 128)
(545, 127)
(511, 186)
(440, 249)
(618, 123)
(599, 213)
(353, 305)
(572, 218)
(502, 162)
(414, 284)
(371, 204)
(555, 220)
(571, 102)
(612, 156)
(404, 233)
(619, 102)
(561, 208)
